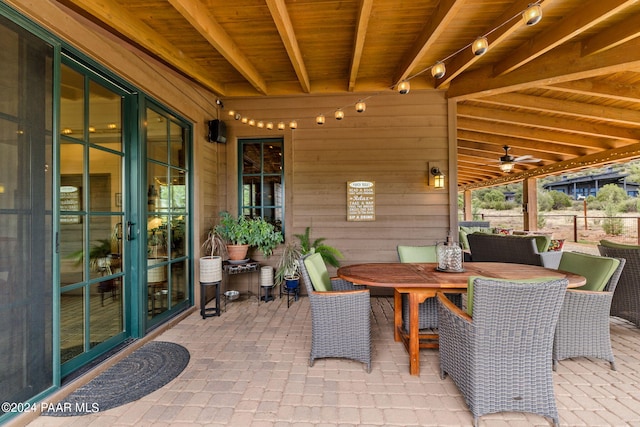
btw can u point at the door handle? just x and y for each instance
(129, 230)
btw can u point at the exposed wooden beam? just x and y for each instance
(551, 123)
(602, 158)
(437, 24)
(598, 88)
(498, 31)
(622, 32)
(280, 16)
(565, 63)
(364, 13)
(588, 16)
(567, 108)
(116, 17)
(476, 141)
(199, 16)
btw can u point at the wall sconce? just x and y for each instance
(437, 177)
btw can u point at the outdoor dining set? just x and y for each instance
(501, 328)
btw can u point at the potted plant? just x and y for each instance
(211, 264)
(287, 268)
(247, 232)
(329, 254)
(100, 256)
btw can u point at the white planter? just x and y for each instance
(158, 274)
(210, 269)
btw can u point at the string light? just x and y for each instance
(480, 46)
(530, 16)
(404, 87)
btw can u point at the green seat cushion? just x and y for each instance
(318, 273)
(542, 242)
(417, 253)
(610, 244)
(472, 278)
(596, 269)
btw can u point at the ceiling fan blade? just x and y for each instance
(520, 158)
(533, 160)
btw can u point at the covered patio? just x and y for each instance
(249, 367)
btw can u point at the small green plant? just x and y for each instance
(255, 232)
(288, 264)
(329, 254)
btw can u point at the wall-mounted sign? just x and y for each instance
(361, 201)
(69, 201)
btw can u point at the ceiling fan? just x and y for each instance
(507, 162)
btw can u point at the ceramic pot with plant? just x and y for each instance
(287, 268)
(247, 232)
(211, 264)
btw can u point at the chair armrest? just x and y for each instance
(343, 285)
(339, 293)
(551, 259)
(454, 309)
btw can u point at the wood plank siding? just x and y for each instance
(391, 143)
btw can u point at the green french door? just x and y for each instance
(94, 258)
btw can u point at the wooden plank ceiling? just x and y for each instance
(565, 91)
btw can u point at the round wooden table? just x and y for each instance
(421, 281)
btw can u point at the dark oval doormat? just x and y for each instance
(143, 371)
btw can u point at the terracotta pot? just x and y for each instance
(237, 252)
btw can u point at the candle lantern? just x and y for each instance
(450, 257)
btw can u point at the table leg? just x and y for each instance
(414, 338)
(397, 315)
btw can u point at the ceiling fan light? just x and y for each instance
(438, 70)
(532, 15)
(480, 46)
(506, 167)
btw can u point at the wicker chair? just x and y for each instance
(340, 320)
(626, 299)
(500, 357)
(428, 310)
(583, 326)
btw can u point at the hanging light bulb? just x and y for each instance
(260, 124)
(293, 124)
(280, 125)
(320, 119)
(269, 125)
(339, 114)
(245, 120)
(252, 122)
(438, 70)
(232, 113)
(480, 46)
(361, 106)
(404, 87)
(532, 15)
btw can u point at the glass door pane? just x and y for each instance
(92, 253)
(167, 215)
